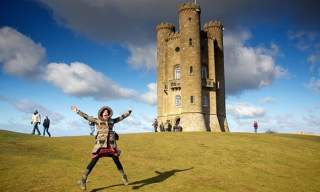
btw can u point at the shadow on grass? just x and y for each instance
(162, 176)
(102, 188)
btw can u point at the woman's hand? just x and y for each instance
(74, 108)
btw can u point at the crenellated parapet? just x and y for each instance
(213, 24)
(188, 6)
(214, 30)
(166, 26)
(173, 36)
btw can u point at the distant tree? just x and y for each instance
(270, 131)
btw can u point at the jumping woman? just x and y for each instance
(105, 144)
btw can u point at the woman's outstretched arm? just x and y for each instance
(123, 116)
(82, 114)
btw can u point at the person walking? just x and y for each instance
(105, 145)
(35, 121)
(255, 126)
(46, 125)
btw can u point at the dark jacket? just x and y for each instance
(46, 122)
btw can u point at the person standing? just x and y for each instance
(255, 126)
(46, 125)
(92, 128)
(161, 127)
(155, 125)
(169, 126)
(105, 144)
(36, 120)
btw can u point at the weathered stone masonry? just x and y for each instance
(190, 72)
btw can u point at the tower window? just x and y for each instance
(190, 42)
(189, 18)
(177, 49)
(178, 100)
(190, 70)
(177, 72)
(191, 99)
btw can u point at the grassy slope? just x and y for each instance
(164, 162)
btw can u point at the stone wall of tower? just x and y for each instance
(173, 60)
(163, 30)
(191, 89)
(214, 31)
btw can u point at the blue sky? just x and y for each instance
(54, 54)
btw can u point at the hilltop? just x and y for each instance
(188, 162)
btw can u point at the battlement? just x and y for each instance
(213, 24)
(188, 5)
(168, 26)
(173, 36)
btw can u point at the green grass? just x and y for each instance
(164, 162)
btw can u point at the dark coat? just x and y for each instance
(46, 122)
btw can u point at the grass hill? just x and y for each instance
(164, 162)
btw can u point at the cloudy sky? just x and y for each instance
(56, 53)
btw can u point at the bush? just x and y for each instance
(269, 131)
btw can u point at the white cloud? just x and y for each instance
(314, 85)
(308, 41)
(308, 121)
(249, 67)
(244, 110)
(267, 100)
(19, 54)
(79, 79)
(135, 123)
(303, 39)
(315, 57)
(142, 56)
(28, 107)
(150, 97)
(312, 118)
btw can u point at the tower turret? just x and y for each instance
(214, 31)
(191, 90)
(163, 30)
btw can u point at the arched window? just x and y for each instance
(191, 99)
(177, 72)
(190, 42)
(190, 70)
(178, 100)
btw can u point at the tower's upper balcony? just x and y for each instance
(175, 84)
(209, 83)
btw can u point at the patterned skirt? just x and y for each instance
(106, 152)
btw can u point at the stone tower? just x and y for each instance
(190, 66)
